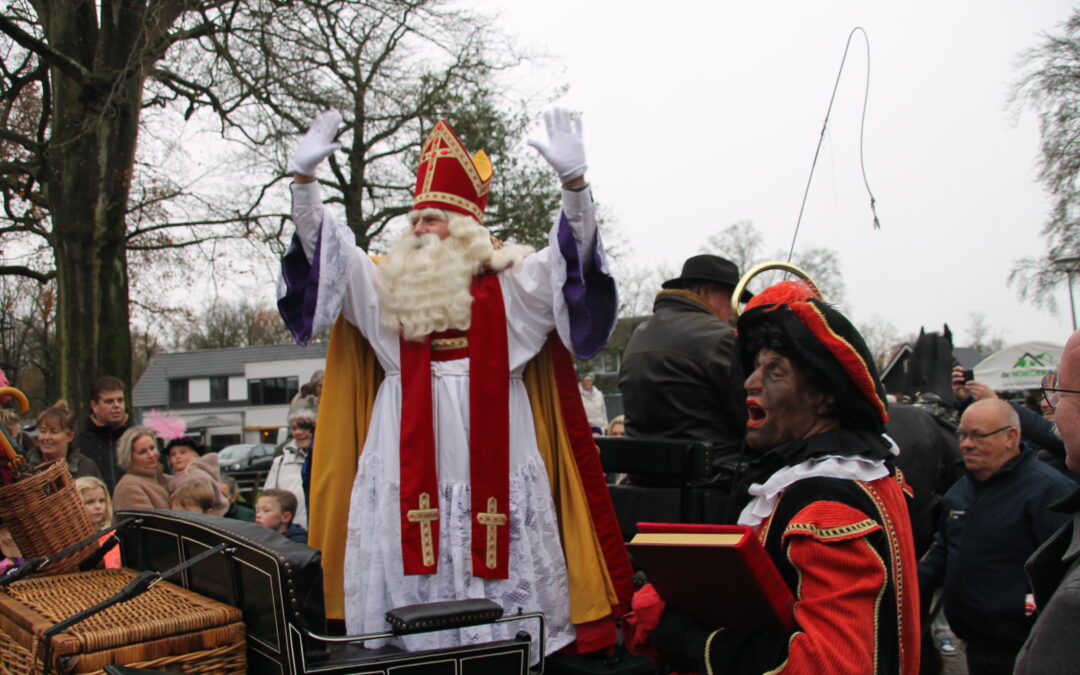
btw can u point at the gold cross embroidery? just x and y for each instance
(491, 519)
(424, 515)
(436, 151)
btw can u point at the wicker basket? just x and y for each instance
(45, 514)
(166, 628)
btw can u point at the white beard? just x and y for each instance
(424, 282)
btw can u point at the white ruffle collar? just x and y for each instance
(828, 466)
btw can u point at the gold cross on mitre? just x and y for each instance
(491, 519)
(424, 515)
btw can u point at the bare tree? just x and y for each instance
(144, 347)
(740, 242)
(883, 339)
(234, 324)
(394, 69)
(79, 83)
(28, 337)
(743, 244)
(1051, 86)
(66, 171)
(981, 339)
(638, 286)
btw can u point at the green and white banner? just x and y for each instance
(1019, 367)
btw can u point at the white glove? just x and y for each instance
(564, 152)
(317, 144)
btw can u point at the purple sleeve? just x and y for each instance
(301, 285)
(591, 299)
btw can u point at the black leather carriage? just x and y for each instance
(277, 584)
(666, 481)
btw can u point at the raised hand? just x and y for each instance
(317, 144)
(564, 150)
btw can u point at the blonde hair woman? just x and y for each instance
(145, 485)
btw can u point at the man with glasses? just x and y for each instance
(1037, 431)
(995, 516)
(1054, 569)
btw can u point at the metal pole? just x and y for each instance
(1069, 262)
(1072, 302)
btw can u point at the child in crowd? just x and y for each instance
(23, 441)
(191, 463)
(9, 551)
(99, 510)
(192, 496)
(96, 500)
(276, 510)
(238, 510)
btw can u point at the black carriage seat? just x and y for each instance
(668, 481)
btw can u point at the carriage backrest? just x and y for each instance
(276, 583)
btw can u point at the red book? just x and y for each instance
(720, 574)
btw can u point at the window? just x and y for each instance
(607, 362)
(178, 391)
(272, 390)
(221, 440)
(219, 388)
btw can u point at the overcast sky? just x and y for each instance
(698, 115)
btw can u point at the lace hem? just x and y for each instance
(537, 582)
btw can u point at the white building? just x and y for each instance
(238, 395)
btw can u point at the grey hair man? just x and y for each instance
(994, 517)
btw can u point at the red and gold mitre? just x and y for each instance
(448, 178)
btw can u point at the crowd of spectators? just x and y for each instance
(996, 516)
(119, 466)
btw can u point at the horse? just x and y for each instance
(928, 375)
(925, 431)
(930, 459)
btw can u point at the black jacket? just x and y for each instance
(676, 377)
(1054, 570)
(988, 529)
(99, 444)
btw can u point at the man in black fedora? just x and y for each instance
(675, 376)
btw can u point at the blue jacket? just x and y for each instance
(987, 531)
(296, 533)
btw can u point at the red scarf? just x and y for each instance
(489, 443)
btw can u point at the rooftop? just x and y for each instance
(153, 386)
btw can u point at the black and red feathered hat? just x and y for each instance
(791, 318)
(449, 178)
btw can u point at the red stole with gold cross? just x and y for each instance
(489, 443)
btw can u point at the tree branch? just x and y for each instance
(182, 244)
(73, 68)
(195, 223)
(23, 271)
